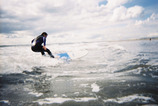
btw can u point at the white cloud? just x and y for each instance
(123, 13)
(153, 19)
(115, 3)
(21, 9)
(73, 19)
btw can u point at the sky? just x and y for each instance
(79, 20)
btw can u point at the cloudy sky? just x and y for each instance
(80, 20)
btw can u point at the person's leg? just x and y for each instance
(49, 52)
(38, 49)
(42, 50)
(33, 48)
(42, 53)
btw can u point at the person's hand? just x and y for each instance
(44, 48)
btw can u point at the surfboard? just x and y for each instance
(71, 55)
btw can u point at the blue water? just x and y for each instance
(111, 73)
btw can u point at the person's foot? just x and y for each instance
(51, 56)
(43, 54)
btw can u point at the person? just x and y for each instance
(37, 44)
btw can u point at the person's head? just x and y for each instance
(44, 34)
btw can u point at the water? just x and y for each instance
(103, 73)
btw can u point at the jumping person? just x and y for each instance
(37, 44)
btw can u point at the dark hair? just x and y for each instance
(44, 33)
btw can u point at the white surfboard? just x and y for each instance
(71, 55)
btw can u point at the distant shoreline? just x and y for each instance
(150, 39)
(140, 39)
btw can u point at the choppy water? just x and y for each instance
(110, 73)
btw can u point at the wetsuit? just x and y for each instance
(37, 47)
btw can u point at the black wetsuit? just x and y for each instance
(38, 45)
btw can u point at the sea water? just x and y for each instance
(100, 74)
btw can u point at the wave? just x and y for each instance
(18, 58)
(131, 98)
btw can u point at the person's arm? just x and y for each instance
(44, 47)
(44, 41)
(32, 41)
